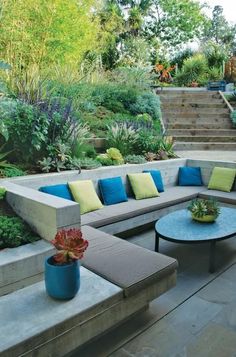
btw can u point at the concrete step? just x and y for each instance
(189, 105)
(204, 146)
(194, 110)
(189, 95)
(222, 122)
(180, 116)
(186, 91)
(205, 125)
(34, 324)
(215, 139)
(201, 132)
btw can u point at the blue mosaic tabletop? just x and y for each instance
(179, 225)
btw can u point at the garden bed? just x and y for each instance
(14, 232)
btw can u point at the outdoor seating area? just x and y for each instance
(108, 258)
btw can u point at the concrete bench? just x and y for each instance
(109, 258)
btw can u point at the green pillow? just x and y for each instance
(84, 193)
(222, 179)
(143, 185)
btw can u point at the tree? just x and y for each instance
(173, 21)
(47, 32)
(219, 31)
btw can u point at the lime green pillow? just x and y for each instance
(84, 193)
(222, 179)
(143, 185)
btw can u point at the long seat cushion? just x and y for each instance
(125, 264)
(227, 197)
(133, 208)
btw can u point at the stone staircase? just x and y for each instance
(197, 120)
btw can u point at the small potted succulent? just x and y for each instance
(62, 273)
(204, 210)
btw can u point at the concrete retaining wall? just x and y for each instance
(208, 166)
(44, 213)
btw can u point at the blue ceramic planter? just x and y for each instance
(62, 281)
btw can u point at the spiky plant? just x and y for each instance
(201, 207)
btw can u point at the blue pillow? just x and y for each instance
(58, 190)
(156, 176)
(112, 190)
(190, 176)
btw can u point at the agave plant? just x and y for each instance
(201, 207)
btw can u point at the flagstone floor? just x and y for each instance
(197, 318)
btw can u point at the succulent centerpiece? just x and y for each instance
(204, 210)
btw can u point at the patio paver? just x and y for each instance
(192, 320)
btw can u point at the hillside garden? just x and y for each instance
(72, 73)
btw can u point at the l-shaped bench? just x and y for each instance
(141, 274)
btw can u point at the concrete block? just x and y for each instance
(44, 213)
(23, 265)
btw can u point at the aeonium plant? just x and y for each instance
(70, 245)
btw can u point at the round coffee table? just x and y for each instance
(179, 227)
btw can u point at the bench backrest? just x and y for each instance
(169, 170)
(207, 167)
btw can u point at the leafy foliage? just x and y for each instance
(88, 163)
(47, 32)
(233, 117)
(122, 137)
(2, 193)
(14, 232)
(11, 172)
(220, 31)
(112, 157)
(147, 103)
(201, 207)
(135, 159)
(194, 70)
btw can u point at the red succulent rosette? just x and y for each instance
(70, 245)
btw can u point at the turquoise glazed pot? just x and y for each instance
(62, 281)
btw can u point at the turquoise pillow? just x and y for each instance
(156, 175)
(112, 190)
(61, 190)
(190, 176)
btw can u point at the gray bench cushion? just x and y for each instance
(227, 197)
(125, 264)
(133, 208)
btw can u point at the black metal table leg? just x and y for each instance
(156, 242)
(212, 257)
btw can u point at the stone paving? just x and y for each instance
(208, 155)
(195, 319)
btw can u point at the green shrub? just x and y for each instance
(194, 69)
(148, 141)
(2, 193)
(14, 232)
(147, 102)
(88, 163)
(81, 150)
(105, 160)
(12, 172)
(135, 159)
(27, 132)
(112, 157)
(181, 56)
(139, 77)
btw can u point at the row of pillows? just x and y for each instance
(144, 185)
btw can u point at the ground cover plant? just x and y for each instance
(13, 230)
